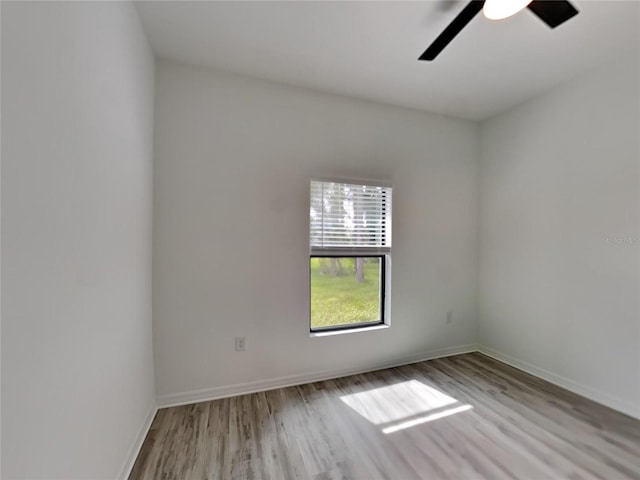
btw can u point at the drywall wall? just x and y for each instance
(559, 278)
(0, 260)
(233, 159)
(77, 120)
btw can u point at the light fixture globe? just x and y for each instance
(499, 9)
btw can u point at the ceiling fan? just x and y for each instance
(551, 12)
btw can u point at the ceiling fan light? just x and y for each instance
(499, 9)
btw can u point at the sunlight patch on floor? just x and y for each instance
(410, 402)
(426, 418)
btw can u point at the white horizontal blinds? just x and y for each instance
(350, 218)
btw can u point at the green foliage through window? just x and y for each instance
(345, 291)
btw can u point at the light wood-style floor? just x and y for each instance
(461, 417)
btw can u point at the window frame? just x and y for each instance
(382, 252)
(382, 289)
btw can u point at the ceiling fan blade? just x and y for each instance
(452, 29)
(554, 12)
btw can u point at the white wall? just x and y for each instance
(77, 118)
(0, 260)
(559, 268)
(233, 158)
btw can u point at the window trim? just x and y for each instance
(330, 333)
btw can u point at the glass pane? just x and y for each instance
(345, 291)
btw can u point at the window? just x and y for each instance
(350, 248)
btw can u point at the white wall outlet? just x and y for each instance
(449, 316)
(240, 344)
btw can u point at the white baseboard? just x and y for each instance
(603, 398)
(195, 396)
(134, 450)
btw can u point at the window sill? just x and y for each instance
(348, 330)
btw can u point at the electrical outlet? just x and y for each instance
(449, 316)
(240, 344)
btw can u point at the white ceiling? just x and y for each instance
(369, 49)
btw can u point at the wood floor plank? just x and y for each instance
(461, 417)
(586, 449)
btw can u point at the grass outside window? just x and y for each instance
(346, 291)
